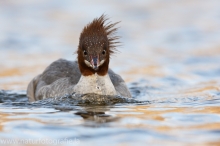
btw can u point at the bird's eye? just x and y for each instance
(84, 52)
(103, 52)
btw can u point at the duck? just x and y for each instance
(89, 73)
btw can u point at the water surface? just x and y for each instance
(170, 59)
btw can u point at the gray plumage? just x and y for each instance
(60, 78)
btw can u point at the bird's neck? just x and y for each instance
(95, 83)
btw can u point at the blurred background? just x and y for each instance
(170, 57)
(163, 40)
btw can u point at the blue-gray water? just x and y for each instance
(170, 59)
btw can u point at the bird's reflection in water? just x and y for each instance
(94, 115)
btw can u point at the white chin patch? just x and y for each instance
(88, 63)
(101, 62)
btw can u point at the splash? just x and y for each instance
(10, 98)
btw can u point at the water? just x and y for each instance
(170, 60)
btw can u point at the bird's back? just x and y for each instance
(61, 76)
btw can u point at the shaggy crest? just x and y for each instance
(99, 31)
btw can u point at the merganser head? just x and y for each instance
(96, 43)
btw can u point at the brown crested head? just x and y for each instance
(96, 43)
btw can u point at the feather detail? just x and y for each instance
(99, 27)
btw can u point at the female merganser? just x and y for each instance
(89, 74)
